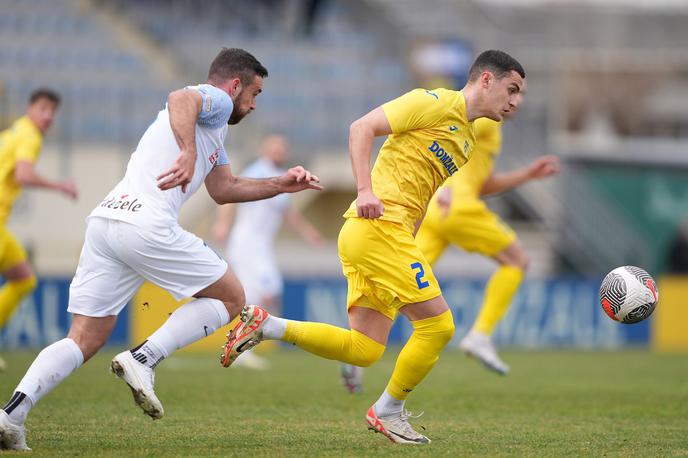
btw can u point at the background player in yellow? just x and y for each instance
(457, 215)
(20, 146)
(429, 136)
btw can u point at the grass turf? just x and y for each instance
(631, 403)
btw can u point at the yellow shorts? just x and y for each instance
(384, 267)
(11, 252)
(476, 229)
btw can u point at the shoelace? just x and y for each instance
(405, 425)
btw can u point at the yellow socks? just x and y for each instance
(420, 353)
(331, 342)
(11, 294)
(498, 295)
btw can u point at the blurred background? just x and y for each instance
(607, 93)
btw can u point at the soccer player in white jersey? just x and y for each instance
(133, 235)
(254, 226)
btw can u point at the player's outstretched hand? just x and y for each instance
(180, 174)
(298, 179)
(368, 205)
(69, 189)
(544, 166)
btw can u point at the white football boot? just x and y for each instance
(395, 427)
(352, 378)
(140, 379)
(480, 346)
(12, 437)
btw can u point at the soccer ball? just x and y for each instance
(628, 294)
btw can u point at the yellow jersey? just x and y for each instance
(21, 142)
(431, 138)
(467, 183)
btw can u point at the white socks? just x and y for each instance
(189, 323)
(51, 366)
(388, 406)
(274, 328)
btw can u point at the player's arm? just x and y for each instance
(225, 187)
(444, 199)
(361, 136)
(25, 174)
(504, 181)
(417, 109)
(303, 227)
(224, 218)
(184, 107)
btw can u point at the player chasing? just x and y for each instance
(133, 235)
(250, 245)
(20, 147)
(457, 215)
(429, 136)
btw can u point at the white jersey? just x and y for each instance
(137, 199)
(256, 223)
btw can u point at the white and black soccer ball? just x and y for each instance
(628, 294)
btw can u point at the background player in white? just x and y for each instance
(133, 235)
(254, 226)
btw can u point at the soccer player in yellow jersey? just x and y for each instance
(430, 135)
(20, 146)
(457, 215)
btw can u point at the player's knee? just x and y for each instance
(517, 257)
(522, 259)
(439, 329)
(367, 357)
(25, 285)
(445, 329)
(366, 351)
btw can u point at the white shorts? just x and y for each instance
(258, 273)
(117, 257)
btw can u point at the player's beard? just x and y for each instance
(236, 116)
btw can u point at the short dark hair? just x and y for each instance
(44, 93)
(235, 63)
(498, 62)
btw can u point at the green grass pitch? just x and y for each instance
(630, 403)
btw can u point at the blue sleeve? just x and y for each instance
(216, 108)
(222, 159)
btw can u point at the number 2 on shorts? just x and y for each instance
(422, 283)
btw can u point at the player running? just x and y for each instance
(20, 147)
(457, 215)
(133, 235)
(430, 135)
